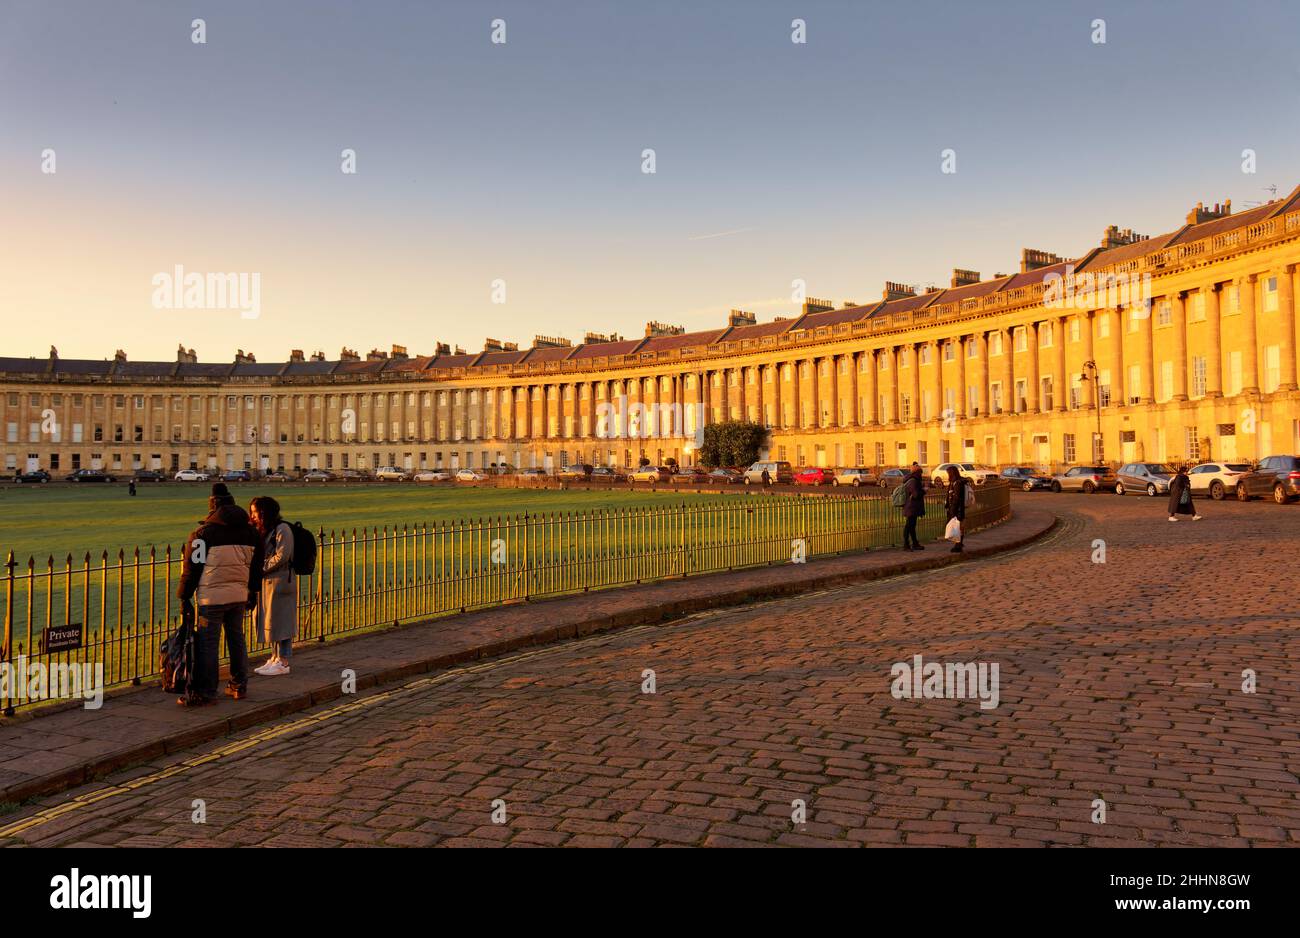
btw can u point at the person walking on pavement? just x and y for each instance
(955, 505)
(278, 615)
(913, 507)
(223, 565)
(1180, 496)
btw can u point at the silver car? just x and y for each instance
(1143, 478)
(855, 477)
(1086, 479)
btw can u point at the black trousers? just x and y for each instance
(212, 621)
(909, 533)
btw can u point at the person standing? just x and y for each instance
(955, 504)
(913, 507)
(1180, 496)
(222, 565)
(278, 615)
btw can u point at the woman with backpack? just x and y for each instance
(278, 603)
(955, 505)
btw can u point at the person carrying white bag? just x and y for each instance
(959, 497)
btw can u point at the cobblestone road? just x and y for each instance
(1119, 681)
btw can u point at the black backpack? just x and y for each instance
(304, 550)
(178, 657)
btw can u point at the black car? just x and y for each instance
(1026, 478)
(38, 475)
(90, 475)
(1277, 477)
(148, 475)
(237, 475)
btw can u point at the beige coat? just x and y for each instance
(277, 608)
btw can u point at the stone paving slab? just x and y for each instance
(44, 753)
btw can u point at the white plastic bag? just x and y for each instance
(953, 531)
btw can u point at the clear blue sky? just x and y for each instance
(522, 161)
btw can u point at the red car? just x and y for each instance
(814, 476)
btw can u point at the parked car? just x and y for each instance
(354, 475)
(968, 470)
(854, 476)
(726, 476)
(469, 475)
(1086, 479)
(191, 475)
(318, 475)
(147, 475)
(578, 472)
(768, 472)
(502, 469)
(237, 475)
(1149, 478)
(90, 475)
(1278, 476)
(390, 474)
(814, 475)
(432, 475)
(1026, 478)
(36, 475)
(1217, 479)
(277, 475)
(533, 473)
(892, 478)
(691, 476)
(651, 474)
(607, 474)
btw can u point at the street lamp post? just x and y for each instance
(1091, 366)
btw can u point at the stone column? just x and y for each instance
(1178, 312)
(1286, 314)
(916, 382)
(870, 415)
(982, 393)
(963, 393)
(937, 349)
(835, 405)
(1119, 380)
(1061, 391)
(1249, 334)
(796, 414)
(1031, 375)
(1008, 370)
(1090, 386)
(1214, 342)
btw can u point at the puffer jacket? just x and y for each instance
(223, 559)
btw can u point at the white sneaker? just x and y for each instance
(266, 666)
(1196, 517)
(1172, 518)
(276, 668)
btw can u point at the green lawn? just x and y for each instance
(61, 518)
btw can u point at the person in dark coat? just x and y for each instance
(913, 507)
(955, 505)
(1180, 496)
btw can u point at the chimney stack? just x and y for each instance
(1202, 214)
(963, 278)
(814, 305)
(295, 355)
(1031, 259)
(349, 355)
(739, 317)
(318, 356)
(897, 291)
(248, 358)
(399, 353)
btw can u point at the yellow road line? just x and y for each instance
(273, 732)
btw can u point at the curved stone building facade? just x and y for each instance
(1180, 346)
